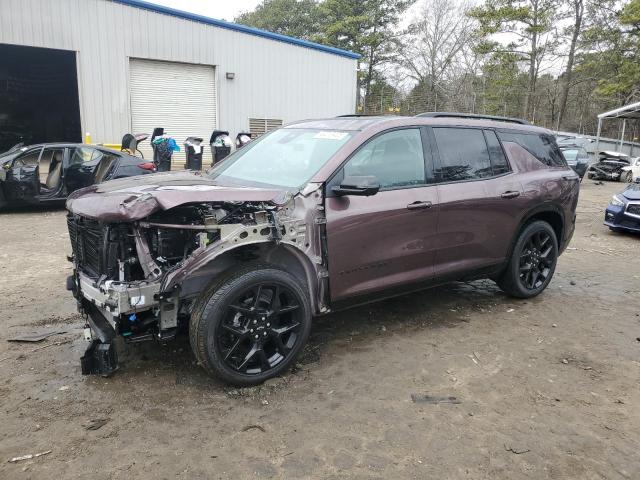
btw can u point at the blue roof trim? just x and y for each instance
(238, 28)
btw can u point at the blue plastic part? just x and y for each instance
(132, 317)
(238, 28)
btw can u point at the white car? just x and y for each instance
(632, 172)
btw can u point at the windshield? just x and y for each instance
(570, 155)
(287, 157)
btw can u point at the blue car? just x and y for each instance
(623, 213)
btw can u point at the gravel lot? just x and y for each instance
(547, 388)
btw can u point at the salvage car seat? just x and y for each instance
(55, 171)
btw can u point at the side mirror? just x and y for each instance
(364, 186)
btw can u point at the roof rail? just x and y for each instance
(473, 115)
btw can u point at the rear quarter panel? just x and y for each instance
(545, 188)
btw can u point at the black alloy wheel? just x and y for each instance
(251, 324)
(537, 259)
(260, 329)
(532, 263)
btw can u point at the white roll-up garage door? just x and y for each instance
(179, 97)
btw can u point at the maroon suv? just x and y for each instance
(309, 219)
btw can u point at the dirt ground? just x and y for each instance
(547, 388)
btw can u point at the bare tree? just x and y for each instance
(435, 47)
(578, 14)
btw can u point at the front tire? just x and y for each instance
(251, 325)
(533, 261)
(626, 177)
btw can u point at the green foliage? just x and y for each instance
(612, 54)
(296, 18)
(630, 14)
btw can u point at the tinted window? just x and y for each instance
(499, 164)
(394, 158)
(463, 154)
(541, 146)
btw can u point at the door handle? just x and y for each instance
(569, 177)
(419, 205)
(510, 194)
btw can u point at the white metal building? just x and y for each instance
(137, 66)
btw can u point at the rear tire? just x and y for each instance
(251, 325)
(533, 261)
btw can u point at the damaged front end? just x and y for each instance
(139, 277)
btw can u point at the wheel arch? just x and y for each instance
(281, 255)
(550, 213)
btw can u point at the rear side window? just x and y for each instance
(542, 146)
(499, 164)
(463, 154)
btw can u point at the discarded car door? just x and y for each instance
(386, 239)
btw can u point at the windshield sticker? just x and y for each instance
(330, 135)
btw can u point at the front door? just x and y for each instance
(21, 181)
(480, 200)
(387, 239)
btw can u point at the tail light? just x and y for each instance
(147, 166)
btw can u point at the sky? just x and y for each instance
(220, 9)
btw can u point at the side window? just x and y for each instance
(28, 159)
(542, 146)
(395, 158)
(499, 163)
(463, 154)
(81, 155)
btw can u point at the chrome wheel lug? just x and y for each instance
(251, 331)
(268, 324)
(264, 334)
(255, 321)
(257, 336)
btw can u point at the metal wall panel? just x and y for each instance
(177, 96)
(272, 79)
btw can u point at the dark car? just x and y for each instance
(623, 212)
(50, 172)
(309, 219)
(577, 158)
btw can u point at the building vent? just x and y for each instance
(260, 126)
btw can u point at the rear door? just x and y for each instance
(22, 178)
(479, 200)
(387, 239)
(83, 162)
